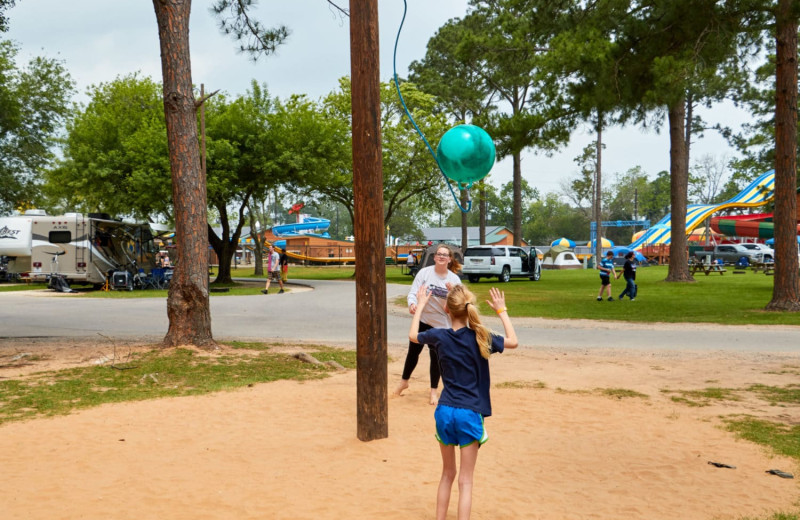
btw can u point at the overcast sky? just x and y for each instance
(100, 40)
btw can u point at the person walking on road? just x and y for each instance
(273, 270)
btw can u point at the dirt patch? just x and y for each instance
(561, 446)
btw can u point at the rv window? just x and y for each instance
(60, 237)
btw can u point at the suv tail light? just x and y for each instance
(493, 261)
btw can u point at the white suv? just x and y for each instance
(502, 262)
(768, 254)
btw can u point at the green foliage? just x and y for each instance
(500, 206)
(5, 4)
(235, 20)
(550, 218)
(240, 164)
(457, 84)
(320, 158)
(34, 102)
(116, 159)
(570, 294)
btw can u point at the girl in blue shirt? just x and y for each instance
(464, 351)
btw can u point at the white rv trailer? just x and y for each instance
(81, 249)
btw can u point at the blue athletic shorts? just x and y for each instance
(458, 426)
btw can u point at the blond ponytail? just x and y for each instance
(461, 302)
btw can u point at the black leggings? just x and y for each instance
(414, 350)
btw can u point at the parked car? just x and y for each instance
(768, 254)
(503, 262)
(731, 254)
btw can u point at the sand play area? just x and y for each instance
(559, 447)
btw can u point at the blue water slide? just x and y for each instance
(313, 226)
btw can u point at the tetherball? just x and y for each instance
(466, 154)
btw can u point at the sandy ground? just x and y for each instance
(559, 449)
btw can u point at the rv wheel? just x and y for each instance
(473, 278)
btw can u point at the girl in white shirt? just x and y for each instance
(438, 278)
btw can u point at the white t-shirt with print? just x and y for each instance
(433, 314)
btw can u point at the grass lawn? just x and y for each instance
(156, 374)
(570, 294)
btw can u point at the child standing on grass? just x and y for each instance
(629, 272)
(464, 353)
(606, 268)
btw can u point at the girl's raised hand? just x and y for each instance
(498, 299)
(423, 295)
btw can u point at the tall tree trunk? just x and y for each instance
(227, 243)
(482, 217)
(225, 250)
(258, 240)
(517, 162)
(598, 192)
(371, 334)
(688, 129)
(679, 192)
(785, 290)
(188, 307)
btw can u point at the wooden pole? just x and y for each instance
(371, 349)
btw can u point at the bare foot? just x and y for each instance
(402, 386)
(434, 397)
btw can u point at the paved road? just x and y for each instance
(327, 314)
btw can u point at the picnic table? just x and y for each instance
(708, 268)
(767, 267)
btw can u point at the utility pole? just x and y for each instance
(372, 401)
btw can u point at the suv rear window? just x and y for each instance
(485, 251)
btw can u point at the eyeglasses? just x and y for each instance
(442, 255)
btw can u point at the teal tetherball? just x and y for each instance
(466, 154)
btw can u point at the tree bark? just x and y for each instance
(785, 290)
(517, 164)
(371, 334)
(226, 244)
(258, 241)
(679, 192)
(598, 192)
(188, 307)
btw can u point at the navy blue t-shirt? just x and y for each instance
(464, 371)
